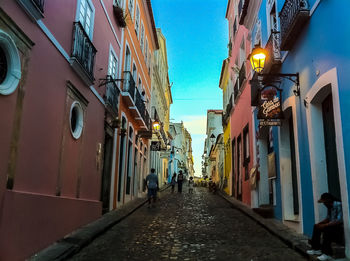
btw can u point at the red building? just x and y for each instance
(241, 113)
(55, 117)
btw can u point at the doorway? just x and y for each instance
(107, 169)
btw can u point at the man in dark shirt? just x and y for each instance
(152, 186)
(331, 228)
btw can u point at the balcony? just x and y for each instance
(293, 16)
(226, 116)
(242, 10)
(162, 134)
(83, 54)
(241, 76)
(119, 15)
(34, 8)
(235, 91)
(112, 96)
(129, 88)
(273, 61)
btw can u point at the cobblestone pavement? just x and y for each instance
(198, 226)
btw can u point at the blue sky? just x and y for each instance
(197, 37)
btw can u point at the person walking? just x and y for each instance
(152, 187)
(173, 182)
(180, 179)
(331, 228)
(190, 185)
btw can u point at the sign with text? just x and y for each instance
(155, 146)
(270, 103)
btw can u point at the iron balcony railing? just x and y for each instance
(273, 48)
(292, 16)
(129, 84)
(235, 90)
(39, 4)
(112, 95)
(83, 49)
(229, 106)
(241, 75)
(141, 107)
(240, 7)
(162, 133)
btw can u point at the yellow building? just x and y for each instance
(227, 90)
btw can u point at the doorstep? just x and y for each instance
(298, 242)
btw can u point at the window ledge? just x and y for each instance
(31, 9)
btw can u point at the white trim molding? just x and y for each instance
(14, 73)
(327, 83)
(289, 218)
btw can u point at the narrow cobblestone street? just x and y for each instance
(198, 226)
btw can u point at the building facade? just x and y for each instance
(133, 150)
(241, 114)
(55, 114)
(160, 110)
(309, 149)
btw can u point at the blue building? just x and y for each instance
(310, 150)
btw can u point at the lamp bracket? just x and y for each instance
(293, 77)
(105, 81)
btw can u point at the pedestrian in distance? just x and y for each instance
(173, 182)
(180, 179)
(152, 187)
(331, 229)
(190, 185)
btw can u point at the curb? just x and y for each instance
(286, 235)
(78, 239)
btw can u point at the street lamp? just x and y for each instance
(156, 125)
(257, 60)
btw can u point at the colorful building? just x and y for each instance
(309, 147)
(56, 112)
(160, 110)
(227, 88)
(132, 156)
(241, 115)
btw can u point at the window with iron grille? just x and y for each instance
(137, 21)
(131, 8)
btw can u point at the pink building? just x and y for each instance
(56, 121)
(241, 113)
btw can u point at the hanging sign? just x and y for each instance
(270, 106)
(155, 146)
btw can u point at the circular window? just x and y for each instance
(76, 120)
(10, 64)
(3, 65)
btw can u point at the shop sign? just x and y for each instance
(270, 104)
(155, 146)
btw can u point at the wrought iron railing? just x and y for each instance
(141, 107)
(241, 75)
(229, 106)
(83, 49)
(240, 7)
(112, 95)
(39, 4)
(235, 90)
(129, 84)
(289, 13)
(162, 133)
(274, 49)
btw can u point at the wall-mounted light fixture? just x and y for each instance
(257, 60)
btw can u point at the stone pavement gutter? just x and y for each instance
(78, 239)
(292, 239)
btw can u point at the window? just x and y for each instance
(134, 73)
(113, 65)
(131, 8)
(86, 16)
(118, 2)
(142, 37)
(137, 21)
(10, 65)
(146, 52)
(127, 59)
(246, 145)
(76, 119)
(140, 85)
(149, 62)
